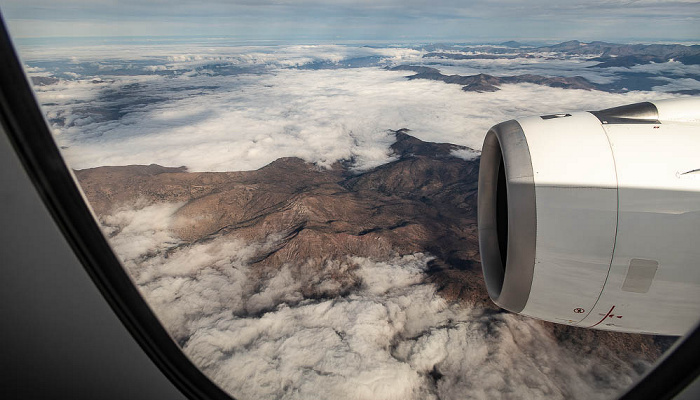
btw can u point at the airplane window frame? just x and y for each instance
(33, 142)
(24, 122)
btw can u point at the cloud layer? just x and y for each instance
(390, 337)
(240, 108)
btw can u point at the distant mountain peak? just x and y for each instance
(569, 43)
(407, 146)
(489, 83)
(512, 43)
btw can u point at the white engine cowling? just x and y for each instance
(592, 219)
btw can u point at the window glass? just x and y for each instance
(292, 186)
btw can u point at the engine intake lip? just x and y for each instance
(508, 272)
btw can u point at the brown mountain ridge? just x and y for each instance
(424, 201)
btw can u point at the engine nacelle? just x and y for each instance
(593, 218)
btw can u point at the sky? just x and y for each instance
(336, 20)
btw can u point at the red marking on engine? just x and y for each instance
(609, 314)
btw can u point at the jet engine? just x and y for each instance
(592, 218)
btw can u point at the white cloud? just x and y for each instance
(135, 230)
(669, 67)
(257, 337)
(541, 65)
(678, 84)
(214, 122)
(167, 55)
(466, 154)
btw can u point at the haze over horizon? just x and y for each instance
(542, 20)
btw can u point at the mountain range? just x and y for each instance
(423, 201)
(488, 83)
(607, 54)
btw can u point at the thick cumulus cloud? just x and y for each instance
(389, 337)
(241, 108)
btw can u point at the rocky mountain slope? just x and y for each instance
(424, 201)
